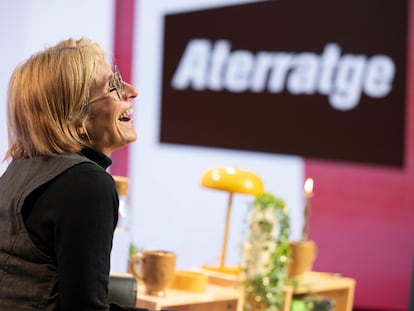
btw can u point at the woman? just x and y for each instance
(67, 112)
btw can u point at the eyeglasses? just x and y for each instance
(115, 84)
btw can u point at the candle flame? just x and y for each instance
(308, 186)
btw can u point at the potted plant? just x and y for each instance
(265, 254)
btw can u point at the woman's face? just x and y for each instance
(110, 125)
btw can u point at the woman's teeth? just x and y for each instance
(126, 115)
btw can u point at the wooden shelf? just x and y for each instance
(224, 294)
(332, 285)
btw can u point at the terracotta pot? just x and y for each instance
(303, 254)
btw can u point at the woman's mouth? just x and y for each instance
(126, 115)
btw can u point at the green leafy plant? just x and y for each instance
(133, 250)
(266, 253)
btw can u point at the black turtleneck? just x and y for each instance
(72, 219)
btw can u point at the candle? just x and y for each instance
(308, 187)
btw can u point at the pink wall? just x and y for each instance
(123, 51)
(363, 219)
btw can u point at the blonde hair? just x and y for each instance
(48, 99)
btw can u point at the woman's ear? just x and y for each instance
(81, 131)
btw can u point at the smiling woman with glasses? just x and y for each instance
(67, 112)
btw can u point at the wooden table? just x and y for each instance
(224, 295)
(215, 298)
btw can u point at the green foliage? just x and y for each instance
(266, 253)
(133, 250)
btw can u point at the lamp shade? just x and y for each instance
(233, 180)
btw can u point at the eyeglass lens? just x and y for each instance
(117, 84)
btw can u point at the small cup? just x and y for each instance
(155, 268)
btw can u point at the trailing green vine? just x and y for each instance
(266, 253)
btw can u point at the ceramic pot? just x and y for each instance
(303, 254)
(155, 268)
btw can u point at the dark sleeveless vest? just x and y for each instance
(27, 275)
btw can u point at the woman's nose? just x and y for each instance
(130, 91)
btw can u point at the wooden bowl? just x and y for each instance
(191, 281)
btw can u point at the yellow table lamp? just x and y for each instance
(231, 180)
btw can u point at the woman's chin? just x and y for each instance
(130, 137)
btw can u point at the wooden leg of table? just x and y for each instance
(287, 298)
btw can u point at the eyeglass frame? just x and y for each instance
(115, 84)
